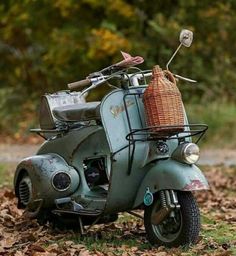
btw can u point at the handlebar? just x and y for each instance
(96, 81)
(78, 84)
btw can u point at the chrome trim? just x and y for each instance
(60, 190)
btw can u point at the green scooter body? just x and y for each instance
(130, 171)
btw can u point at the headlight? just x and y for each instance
(61, 181)
(188, 153)
(191, 153)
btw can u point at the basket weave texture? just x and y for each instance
(163, 103)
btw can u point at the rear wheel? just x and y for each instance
(179, 228)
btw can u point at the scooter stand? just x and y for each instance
(84, 230)
(81, 226)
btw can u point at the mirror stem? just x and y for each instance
(172, 57)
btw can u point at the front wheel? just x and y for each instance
(181, 227)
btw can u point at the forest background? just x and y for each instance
(45, 44)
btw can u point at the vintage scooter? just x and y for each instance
(100, 158)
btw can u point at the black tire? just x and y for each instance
(183, 231)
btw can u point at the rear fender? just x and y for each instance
(170, 174)
(41, 169)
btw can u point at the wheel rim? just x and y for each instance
(170, 228)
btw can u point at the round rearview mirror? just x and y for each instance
(186, 37)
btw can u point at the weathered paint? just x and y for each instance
(170, 174)
(123, 187)
(195, 185)
(67, 144)
(75, 147)
(41, 170)
(126, 191)
(117, 128)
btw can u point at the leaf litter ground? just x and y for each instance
(21, 236)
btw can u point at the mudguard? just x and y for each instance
(41, 169)
(170, 174)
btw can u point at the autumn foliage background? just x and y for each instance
(44, 44)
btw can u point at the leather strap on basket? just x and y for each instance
(170, 76)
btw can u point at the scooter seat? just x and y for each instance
(78, 112)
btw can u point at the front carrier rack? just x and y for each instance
(149, 133)
(156, 133)
(161, 133)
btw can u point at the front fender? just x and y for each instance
(41, 169)
(170, 174)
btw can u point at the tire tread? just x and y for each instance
(190, 226)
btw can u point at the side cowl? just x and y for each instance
(41, 169)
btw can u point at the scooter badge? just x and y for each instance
(148, 197)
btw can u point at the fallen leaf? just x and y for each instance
(84, 253)
(36, 247)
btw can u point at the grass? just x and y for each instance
(113, 240)
(215, 235)
(6, 174)
(221, 119)
(218, 234)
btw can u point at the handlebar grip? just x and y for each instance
(79, 84)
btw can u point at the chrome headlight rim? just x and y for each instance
(182, 154)
(187, 156)
(62, 189)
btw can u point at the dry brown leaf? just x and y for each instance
(19, 253)
(8, 242)
(28, 236)
(84, 253)
(78, 246)
(36, 247)
(98, 253)
(43, 254)
(53, 248)
(69, 243)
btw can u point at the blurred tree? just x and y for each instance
(44, 44)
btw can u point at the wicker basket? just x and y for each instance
(163, 103)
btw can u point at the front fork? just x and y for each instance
(169, 202)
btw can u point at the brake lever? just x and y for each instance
(95, 82)
(185, 78)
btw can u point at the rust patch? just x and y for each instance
(28, 162)
(195, 185)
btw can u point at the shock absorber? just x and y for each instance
(161, 214)
(168, 203)
(163, 199)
